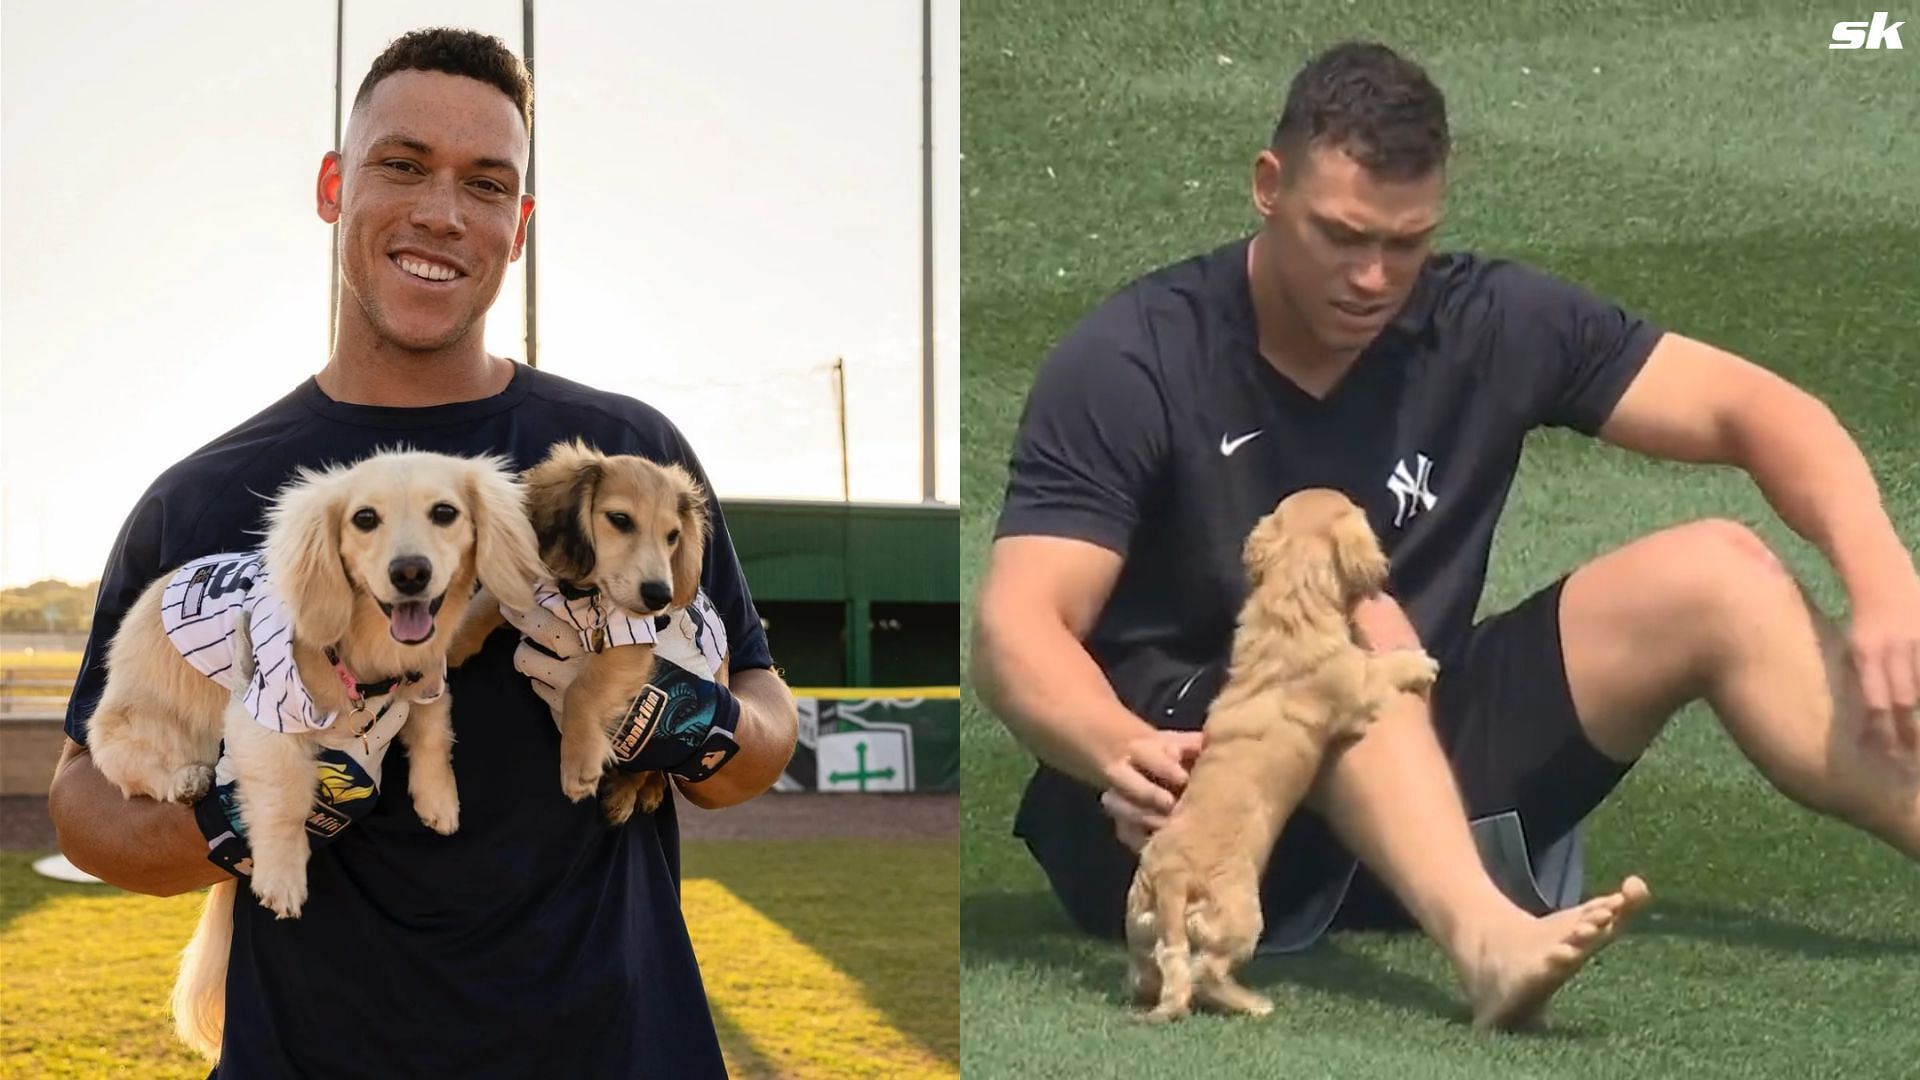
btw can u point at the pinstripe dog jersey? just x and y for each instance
(692, 637)
(199, 610)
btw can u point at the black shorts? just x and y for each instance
(1506, 721)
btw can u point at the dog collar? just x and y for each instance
(358, 692)
(574, 592)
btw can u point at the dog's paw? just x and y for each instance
(1162, 1014)
(438, 810)
(582, 764)
(653, 791)
(188, 784)
(1426, 673)
(617, 804)
(283, 890)
(579, 783)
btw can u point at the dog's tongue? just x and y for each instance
(411, 621)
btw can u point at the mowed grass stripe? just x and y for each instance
(799, 1014)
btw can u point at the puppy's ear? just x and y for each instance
(690, 555)
(560, 504)
(506, 557)
(1357, 556)
(303, 556)
(1292, 575)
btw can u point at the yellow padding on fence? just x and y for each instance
(855, 693)
(800, 1015)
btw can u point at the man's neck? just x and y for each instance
(374, 372)
(1285, 343)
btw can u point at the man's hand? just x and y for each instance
(685, 722)
(1884, 642)
(1144, 783)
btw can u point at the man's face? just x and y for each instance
(427, 195)
(1349, 245)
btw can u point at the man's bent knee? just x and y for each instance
(1724, 539)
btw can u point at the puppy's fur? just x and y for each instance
(159, 725)
(1297, 683)
(637, 532)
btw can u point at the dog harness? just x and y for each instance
(201, 611)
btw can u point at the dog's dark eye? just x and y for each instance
(443, 514)
(673, 537)
(365, 519)
(620, 521)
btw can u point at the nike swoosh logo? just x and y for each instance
(1228, 446)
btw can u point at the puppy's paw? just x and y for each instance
(1426, 674)
(1163, 1014)
(282, 889)
(439, 809)
(581, 765)
(617, 804)
(579, 782)
(187, 784)
(1412, 671)
(653, 791)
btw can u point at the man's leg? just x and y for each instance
(1392, 799)
(1705, 610)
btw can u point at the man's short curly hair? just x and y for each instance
(456, 52)
(1374, 104)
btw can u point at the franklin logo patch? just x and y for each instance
(637, 730)
(325, 821)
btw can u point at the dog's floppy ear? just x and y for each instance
(560, 502)
(1357, 556)
(303, 556)
(690, 555)
(1293, 576)
(506, 557)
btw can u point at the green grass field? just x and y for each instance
(1714, 167)
(810, 972)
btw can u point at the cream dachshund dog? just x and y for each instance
(625, 539)
(1297, 682)
(361, 567)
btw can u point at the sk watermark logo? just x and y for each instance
(1878, 34)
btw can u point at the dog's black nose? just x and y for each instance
(410, 573)
(656, 594)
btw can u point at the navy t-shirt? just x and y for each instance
(1156, 430)
(536, 940)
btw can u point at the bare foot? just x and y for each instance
(1519, 968)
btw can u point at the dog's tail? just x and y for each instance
(200, 993)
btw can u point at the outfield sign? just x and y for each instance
(854, 740)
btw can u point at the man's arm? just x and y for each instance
(1697, 403)
(769, 726)
(1030, 668)
(138, 844)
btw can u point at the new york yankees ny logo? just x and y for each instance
(1410, 490)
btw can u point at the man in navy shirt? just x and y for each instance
(536, 940)
(1333, 348)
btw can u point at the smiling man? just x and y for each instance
(536, 940)
(1334, 348)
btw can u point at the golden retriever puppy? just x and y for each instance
(625, 539)
(360, 566)
(1296, 683)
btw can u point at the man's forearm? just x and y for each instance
(138, 844)
(1814, 476)
(769, 726)
(1032, 672)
